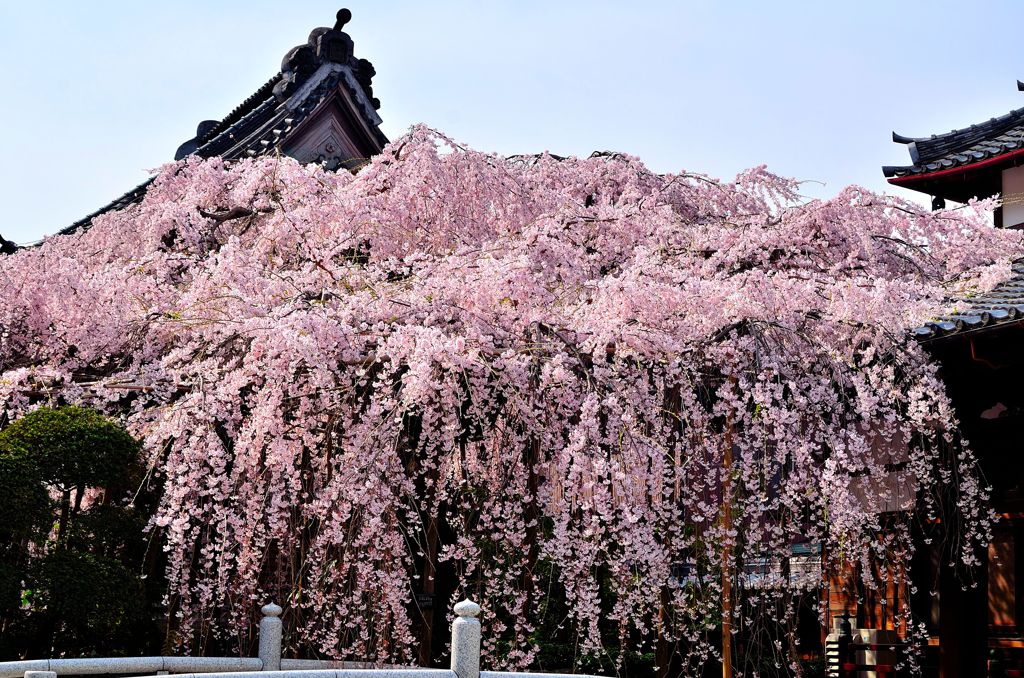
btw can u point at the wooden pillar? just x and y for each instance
(426, 602)
(963, 622)
(1002, 579)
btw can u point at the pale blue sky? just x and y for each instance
(95, 93)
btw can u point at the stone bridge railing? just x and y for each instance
(269, 664)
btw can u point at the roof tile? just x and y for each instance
(256, 125)
(960, 146)
(1002, 305)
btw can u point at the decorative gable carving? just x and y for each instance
(328, 138)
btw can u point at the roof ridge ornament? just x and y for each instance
(325, 45)
(1020, 86)
(344, 16)
(7, 247)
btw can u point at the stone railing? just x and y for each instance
(269, 664)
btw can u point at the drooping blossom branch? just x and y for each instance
(548, 358)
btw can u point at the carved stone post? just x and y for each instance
(466, 640)
(270, 637)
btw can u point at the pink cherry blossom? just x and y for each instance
(547, 356)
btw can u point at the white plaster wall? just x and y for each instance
(1013, 196)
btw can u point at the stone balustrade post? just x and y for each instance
(466, 640)
(270, 637)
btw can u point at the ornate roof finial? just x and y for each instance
(325, 45)
(7, 247)
(344, 16)
(1020, 86)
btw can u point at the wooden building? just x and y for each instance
(319, 108)
(982, 364)
(979, 161)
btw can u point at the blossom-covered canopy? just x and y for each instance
(578, 364)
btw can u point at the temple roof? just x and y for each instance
(1003, 304)
(980, 144)
(289, 114)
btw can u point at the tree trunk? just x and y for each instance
(727, 602)
(532, 516)
(428, 586)
(663, 652)
(65, 510)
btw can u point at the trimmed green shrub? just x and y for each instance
(71, 570)
(95, 604)
(71, 446)
(26, 511)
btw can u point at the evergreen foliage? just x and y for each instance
(73, 549)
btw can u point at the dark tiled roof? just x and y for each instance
(253, 100)
(133, 196)
(310, 73)
(1004, 304)
(259, 130)
(7, 247)
(961, 147)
